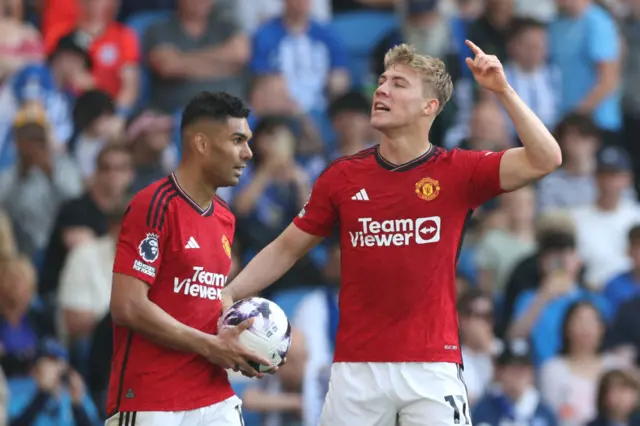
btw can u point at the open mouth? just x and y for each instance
(379, 106)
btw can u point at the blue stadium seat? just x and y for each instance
(288, 300)
(139, 22)
(360, 32)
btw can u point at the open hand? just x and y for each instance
(487, 70)
(226, 351)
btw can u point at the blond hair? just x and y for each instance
(435, 78)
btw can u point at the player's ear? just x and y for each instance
(200, 141)
(431, 107)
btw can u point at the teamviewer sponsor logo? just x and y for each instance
(203, 284)
(396, 232)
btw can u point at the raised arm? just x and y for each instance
(541, 153)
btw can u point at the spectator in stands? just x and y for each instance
(555, 233)
(55, 395)
(429, 30)
(492, 29)
(488, 129)
(528, 71)
(344, 6)
(8, 249)
(279, 396)
(631, 94)
(149, 134)
(35, 86)
(478, 343)
(499, 250)
(252, 14)
(38, 184)
(273, 191)
(626, 285)
(113, 48)
(569, 381)
(85, 281)
(200, 47)
(22, 322)
(617, 399)
(96, 125)
(317, 319)
(574, 183)
(20, 42)
(270, 96)
(312, 61)
(539, 314)
(603, 227)
(585, 47)
(71, 65)
(514, 399)
(84, 218)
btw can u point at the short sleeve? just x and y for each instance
(523, 303)
(155, 36)
(337, 52)
(481, 173)
(141, 240)
(131, 47)
(319, 214)
(603, 41)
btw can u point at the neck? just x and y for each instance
(194, 25)
(191, 182)
(514, 395)
(11, 314)
(92, 26)
(582, 355)
(146, 157)
(346, 147)
(522, 230)
(607, 202)
(295, 23)
(402, 148)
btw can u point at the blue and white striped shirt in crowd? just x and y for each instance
(539, 89)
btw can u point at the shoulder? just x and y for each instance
(598, 15)
(349, 162)
(121, 30)
(272, 29)
(554, 366)
(153, 202)
(168, 24)
(222, 209)
(319, 30)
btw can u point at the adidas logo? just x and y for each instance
(361, 195)
(130, 394)
(192, 244)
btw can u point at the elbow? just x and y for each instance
(123, 313)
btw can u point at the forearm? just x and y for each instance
(233, 52)
(149, 320)
(541, 148)
(263, 270)
(522, 327)
(128, 94)
(598, 93)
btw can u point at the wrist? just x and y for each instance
(505, 93)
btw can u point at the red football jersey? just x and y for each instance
(184, 253)
(400, 232)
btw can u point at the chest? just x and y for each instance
(197, 255)
(400, 209)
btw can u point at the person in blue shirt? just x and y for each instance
(627, 285)
(539, 314)
(305, 52)
(585, 46)
(514, 398)
(53, 396)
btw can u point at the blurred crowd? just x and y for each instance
(548, 276)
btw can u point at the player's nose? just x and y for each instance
(382, 90)
(246, 154)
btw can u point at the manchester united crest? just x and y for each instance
(226, 245)
(427, 189)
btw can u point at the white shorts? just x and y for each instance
(225, 413)
(390, 394)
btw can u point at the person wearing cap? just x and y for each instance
(38, 183)
(513, 399)
(54, 394)
(603, 227)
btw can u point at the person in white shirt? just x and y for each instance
(85, 282)
(602, 227)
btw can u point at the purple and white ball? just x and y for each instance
(270, 334)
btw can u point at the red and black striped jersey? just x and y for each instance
(183, 252)
(401, 229)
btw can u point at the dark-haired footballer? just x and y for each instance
(172, 260)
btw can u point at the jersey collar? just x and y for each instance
(409, 164)
(203, 212)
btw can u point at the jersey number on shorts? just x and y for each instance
(454, 401)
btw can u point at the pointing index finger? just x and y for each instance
(475, 49)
